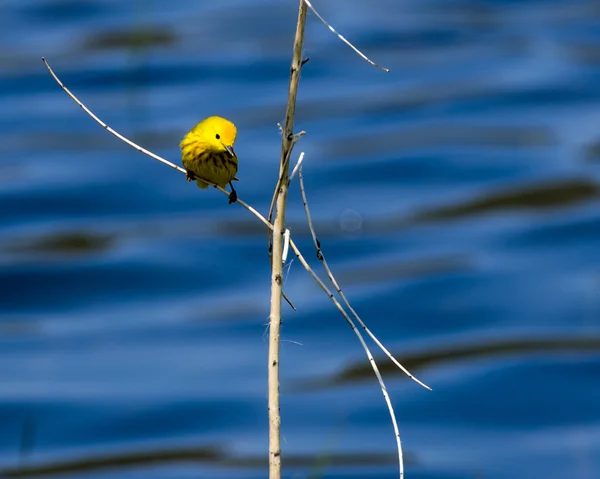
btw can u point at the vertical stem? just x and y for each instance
(277, 265)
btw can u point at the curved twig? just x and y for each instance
(337, 287)
(342, 38)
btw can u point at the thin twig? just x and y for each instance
(147, 152)
(337, 287)
(342, 38)
(108, 128)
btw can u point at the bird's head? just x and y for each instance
(219, 133)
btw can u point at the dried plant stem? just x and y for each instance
(260, 217)
(281, 190)
(279, 200)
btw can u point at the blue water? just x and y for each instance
(457, 198)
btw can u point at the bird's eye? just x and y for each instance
(218, 136)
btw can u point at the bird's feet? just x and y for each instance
(190, 176)
(233, 194)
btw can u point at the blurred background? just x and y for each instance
(456, 197)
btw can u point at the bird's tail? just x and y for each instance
(201, 184)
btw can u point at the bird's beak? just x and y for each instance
(230, 151)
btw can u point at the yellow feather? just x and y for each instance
(207, 152)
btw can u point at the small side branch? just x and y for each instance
(337, 287)
(342, 38)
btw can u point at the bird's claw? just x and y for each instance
(232, 197)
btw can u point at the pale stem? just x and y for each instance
(281, 190)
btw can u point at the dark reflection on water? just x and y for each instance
(208, 456)
(456, 198)
(63, 243)
(473, 353)
(145, 37)
(448, 135)
(558, 194)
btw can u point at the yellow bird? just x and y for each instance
(207, 154)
